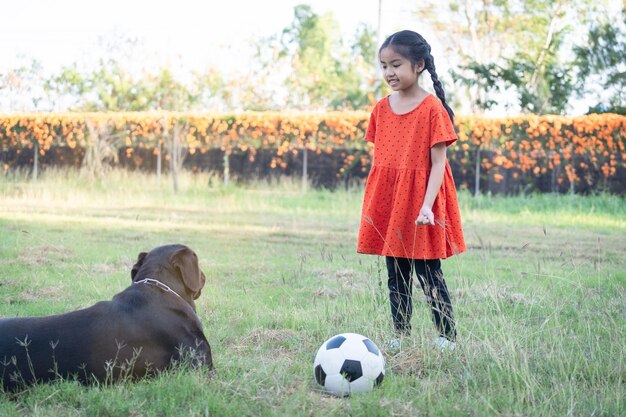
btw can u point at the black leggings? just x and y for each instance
(430, 277)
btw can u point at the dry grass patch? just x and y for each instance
(341, 283)
(259, 339)
(124, 265)
(556, 244)
(502, 293)
(46, 293)
(325, 292)
(44, 255)
(347, 279)
(409, 361)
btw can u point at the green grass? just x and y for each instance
(539, 297)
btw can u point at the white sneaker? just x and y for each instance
(393, 345)
(444, 345)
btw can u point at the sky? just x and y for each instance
(184, 35)
(181, 32)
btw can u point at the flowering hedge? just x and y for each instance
(567, 152)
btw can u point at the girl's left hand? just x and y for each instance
(426, 216)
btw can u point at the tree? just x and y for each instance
(510, 47)
(310, 43)
(472, 35)
(363, 84)
(118, 82)
(167, 93)
(601, 64)
(211, 90)
(326, 73)
(22, 87)
(111, 87)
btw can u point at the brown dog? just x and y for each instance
(143, 329)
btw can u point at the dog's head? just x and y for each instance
(175, 266)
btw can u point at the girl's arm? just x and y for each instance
(438, 166)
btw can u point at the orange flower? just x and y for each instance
(596, 143)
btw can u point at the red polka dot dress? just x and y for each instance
(397, 182)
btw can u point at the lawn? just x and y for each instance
(540, 297)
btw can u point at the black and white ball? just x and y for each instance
(348, 363)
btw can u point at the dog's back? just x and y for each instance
(42, 348)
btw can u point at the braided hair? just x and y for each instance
(414, 47)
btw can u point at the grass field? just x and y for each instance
(540, 297)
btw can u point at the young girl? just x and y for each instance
(410, 209)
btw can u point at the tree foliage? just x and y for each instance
(510, 48)
(119, 82)
(111, 87)
(601, 62)
(21, 86)
(513, 53)
(326, 74)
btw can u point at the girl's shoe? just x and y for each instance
(393, 346)
(444, 345)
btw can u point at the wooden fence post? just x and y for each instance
(477, 173)
(159, 159)
(305, 169)
(164, 133)
(177, 151)
(35, 161)
(226, 170)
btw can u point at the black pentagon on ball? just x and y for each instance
(320, 375)
(371, 347)
(379, 379)
(351, 370)
(335, 342)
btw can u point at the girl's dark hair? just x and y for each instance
(414, 47)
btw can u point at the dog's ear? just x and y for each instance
(140, 258)
(185, 262)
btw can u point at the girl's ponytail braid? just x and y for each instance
(430, 67)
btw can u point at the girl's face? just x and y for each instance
(398, 71)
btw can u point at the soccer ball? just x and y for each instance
(348, 363)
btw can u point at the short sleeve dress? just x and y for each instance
(397, 182)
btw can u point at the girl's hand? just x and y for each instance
(426, 216)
